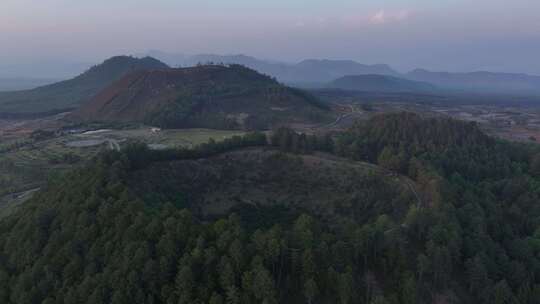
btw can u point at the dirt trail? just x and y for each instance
(360, 164)
(113, 144)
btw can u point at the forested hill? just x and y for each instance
(304, 219)
(449, 145)
(209, 96)
(157, 227)
(72, 93)
(419, 134)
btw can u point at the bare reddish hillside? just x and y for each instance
(70, 94)
(124, 99)
(209, 96)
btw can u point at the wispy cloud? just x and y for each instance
(376, 18)
(383, 16)
(300, 23)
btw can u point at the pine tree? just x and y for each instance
(345, 282)
(477, 274)
(184, 285)
(502, 294)
(233, 296)
(408, 290)
(216, 299)
(310, 290)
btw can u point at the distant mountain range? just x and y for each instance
(307, 72)
(205, 96)
(315, 73)
(71, 93)
(381, 83)
(312, 73)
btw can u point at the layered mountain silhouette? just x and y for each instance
(209, 96)
(343, 74)
(317, 73)
(71, 93)
(311, 71)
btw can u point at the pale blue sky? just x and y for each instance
(455, 35)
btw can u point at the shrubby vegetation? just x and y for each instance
(473, 237)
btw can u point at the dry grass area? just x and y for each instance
(263, 177)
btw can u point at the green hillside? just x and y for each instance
(72, 93)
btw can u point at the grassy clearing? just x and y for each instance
(28, 166)
(170, 138)
(194, 137)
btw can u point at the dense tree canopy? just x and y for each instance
(471, 236)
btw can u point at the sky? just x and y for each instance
(441, 35)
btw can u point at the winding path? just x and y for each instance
(403, 179)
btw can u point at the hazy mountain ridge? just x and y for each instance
(24, 83)
(312, 73)
(381, 83)
(480, 81)
(306, 71)
(316, 73)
